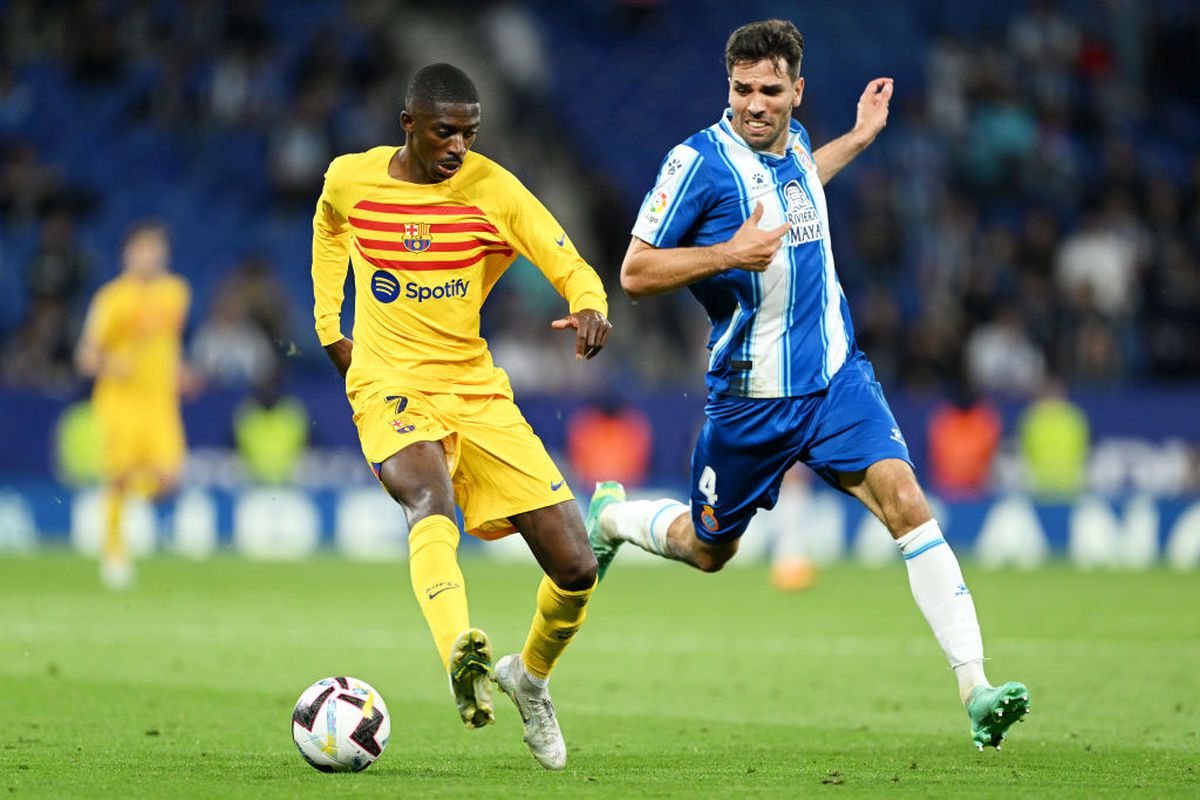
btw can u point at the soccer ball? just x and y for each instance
(340, 725)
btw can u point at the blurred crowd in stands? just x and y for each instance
(1032, 213)
(1045, 204)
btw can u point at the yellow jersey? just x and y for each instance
(425, 257)
(138, 326)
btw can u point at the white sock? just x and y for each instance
(792, 536)
(534, 680)
(642, 522)
(942, 595)
(969, 676)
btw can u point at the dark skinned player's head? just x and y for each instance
(440, 119)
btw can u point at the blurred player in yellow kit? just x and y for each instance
(429, 228)
(131, 345)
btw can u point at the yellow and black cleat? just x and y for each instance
(470, 673)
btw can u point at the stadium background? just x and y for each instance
(1030, 215)
(1027, 145)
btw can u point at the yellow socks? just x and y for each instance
(113, 548)
(437, 581)
(441, 591)
(559, 615)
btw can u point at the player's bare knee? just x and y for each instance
(576, 575)
(907, 508)
(708, 563)
(712, 560)
(421, 501)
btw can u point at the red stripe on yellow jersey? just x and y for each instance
(393, 208)
(434, 227)
(436, 247)
(418, 265)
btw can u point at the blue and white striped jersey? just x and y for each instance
(783, 332)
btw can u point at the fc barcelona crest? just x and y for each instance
(416, 237)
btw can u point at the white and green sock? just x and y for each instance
(642, 522)
(942, 595)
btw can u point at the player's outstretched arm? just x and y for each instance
(91, 358)
(592, 329)
(339, 353)
(871, 119)
(87, 353)
(649, 270)
(330, 260)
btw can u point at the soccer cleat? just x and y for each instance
(993, 709)
(607, 492)
(542, 733)
(470, 665)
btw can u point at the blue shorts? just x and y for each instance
(747, 445)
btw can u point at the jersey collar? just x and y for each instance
(725, 123)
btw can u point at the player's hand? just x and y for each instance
(873, 109)
(591, 331)
(339, 353)
(752, 248)
(191, 381)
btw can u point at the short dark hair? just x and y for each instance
(772, 39)
(439, 83)
(143, 227)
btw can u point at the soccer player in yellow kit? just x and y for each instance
(429, 228)
(131, 345)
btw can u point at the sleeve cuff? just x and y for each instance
(590, 300)
(328, 334)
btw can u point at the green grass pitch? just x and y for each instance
(680, 685)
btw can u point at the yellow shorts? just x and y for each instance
(498, 465)
(137, 437)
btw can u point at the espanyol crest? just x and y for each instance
(416, 237)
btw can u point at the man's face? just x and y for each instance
(439, 138)
(146, 254)
(762, 96)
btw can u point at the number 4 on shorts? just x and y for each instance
(708, 485)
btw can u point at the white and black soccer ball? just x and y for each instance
(340, 725)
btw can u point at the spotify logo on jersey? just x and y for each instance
(384, 286)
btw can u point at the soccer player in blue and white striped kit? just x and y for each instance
(738, 216)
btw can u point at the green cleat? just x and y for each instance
(606, 493)
(993, 709)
